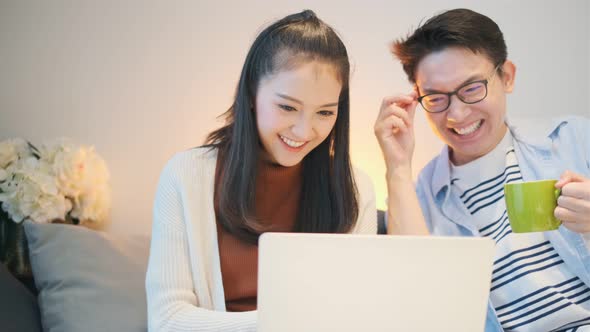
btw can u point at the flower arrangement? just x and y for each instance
(59, 181)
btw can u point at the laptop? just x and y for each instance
(345, 282)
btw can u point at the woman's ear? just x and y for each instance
(508, 75)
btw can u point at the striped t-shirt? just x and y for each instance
(532, 288)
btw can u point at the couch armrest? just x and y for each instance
(19, 311)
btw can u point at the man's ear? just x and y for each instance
(508, 75)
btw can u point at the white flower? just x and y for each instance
(93, 205)
(32, 193)
(11, 150)
(78, 170)
(57, 181)
(49, 150)
(81, 176)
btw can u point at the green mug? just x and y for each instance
(531, 205)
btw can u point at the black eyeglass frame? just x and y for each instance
(450, 94)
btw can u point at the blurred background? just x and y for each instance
(142, 80)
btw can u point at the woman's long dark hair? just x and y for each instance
(329, 202)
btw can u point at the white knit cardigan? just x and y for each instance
(183, 283)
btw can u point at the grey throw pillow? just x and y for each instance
(88, 280)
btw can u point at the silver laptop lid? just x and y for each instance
(343, 282)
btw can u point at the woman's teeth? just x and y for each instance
(469, 129)
(291, 143)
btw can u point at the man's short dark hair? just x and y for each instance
(462, 28)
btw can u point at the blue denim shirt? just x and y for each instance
(543, 152)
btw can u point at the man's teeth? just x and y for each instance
(291, 143)
(468, 130)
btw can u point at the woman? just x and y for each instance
(281, 163)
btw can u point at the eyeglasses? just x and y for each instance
(469, 93)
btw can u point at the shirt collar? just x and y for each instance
(539, 134)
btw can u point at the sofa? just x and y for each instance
(83, 280)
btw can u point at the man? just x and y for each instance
(458, 64)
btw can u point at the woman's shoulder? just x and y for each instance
(186, 163)
(363, 182)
